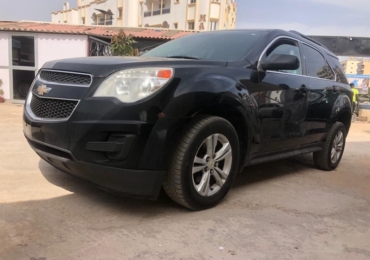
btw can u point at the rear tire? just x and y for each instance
(330, 156)
(204, 163)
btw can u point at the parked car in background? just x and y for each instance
(190, 114)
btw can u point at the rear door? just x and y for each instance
(324, 92)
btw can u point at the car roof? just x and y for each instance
(293, 34)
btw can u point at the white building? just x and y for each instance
(172, 14)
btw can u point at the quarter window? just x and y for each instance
(288, 47)
(316, 65)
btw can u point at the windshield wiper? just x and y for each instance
(184, 57)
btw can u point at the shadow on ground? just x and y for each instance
(249, 176)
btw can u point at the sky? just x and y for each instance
(312, 17)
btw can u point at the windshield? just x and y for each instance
(218, 46)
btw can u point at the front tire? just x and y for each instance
(330, 156)
(204, 163)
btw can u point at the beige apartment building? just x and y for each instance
(350, 66)
(202, 15)
(363, 67)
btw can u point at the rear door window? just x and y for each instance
(316, 64)
(341, 78)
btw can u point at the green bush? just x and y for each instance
(121, 44)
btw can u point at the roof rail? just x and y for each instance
(308, 38)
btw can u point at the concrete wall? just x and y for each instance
(61, 46)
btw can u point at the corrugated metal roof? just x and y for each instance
(148, 33)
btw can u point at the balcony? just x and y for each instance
(157, 12)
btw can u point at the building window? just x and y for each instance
(176, 25)
(83, 20)
(101, 21)
(177, 1)
(213, 26)
(161, 6)
(191, 25)
(119, 12)
(192, 1)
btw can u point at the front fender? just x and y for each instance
(210, 94)
(205, 91)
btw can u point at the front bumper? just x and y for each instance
(120, 147)
(133, 183)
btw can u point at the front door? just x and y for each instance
(282, 102)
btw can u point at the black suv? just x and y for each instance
(191, 113)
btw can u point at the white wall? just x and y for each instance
(191, 13)
(4, 49)
(61, 46)
(215, 11)
(4, 76)
(159, 19)
(178, 11)
(4, 61)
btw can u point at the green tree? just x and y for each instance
(121, 44)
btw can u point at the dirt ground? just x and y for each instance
(279, 210)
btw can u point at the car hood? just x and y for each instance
(104, 66)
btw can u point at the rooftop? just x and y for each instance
(96, 30)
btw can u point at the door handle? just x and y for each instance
(304, 88)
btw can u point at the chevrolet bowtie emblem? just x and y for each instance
(41, 90)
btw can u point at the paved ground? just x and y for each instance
(279, 210)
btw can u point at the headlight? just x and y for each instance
(134, 84)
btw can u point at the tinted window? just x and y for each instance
(338, 70)
(316, 64)
(23, 51)
(286, 47)
(222, 46)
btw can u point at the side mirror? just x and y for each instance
(280, 62)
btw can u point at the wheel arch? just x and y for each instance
(238, 120)
(346, 119)
(342, 111)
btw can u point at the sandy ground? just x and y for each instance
(279, 210)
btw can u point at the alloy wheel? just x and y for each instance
(337, 147)
(212, 165)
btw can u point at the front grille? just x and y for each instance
(52, 108)
(66, 78)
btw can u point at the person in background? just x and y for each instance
(355, 97)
